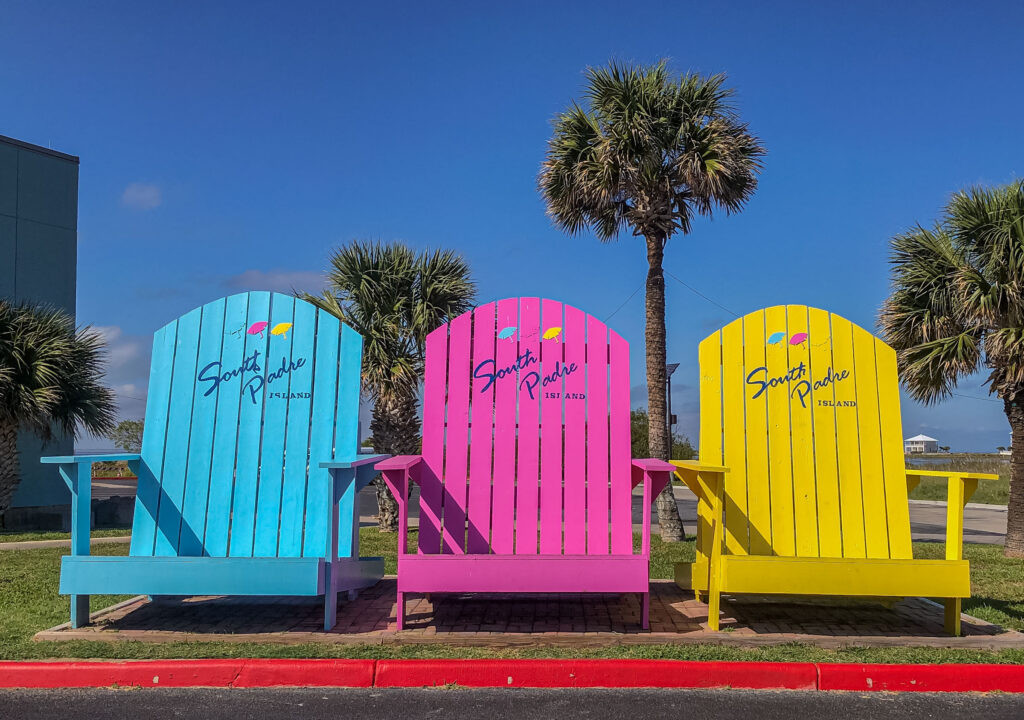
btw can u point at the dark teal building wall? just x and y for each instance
(38, 256)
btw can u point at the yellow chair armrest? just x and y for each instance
(693, 473)
(950, 473)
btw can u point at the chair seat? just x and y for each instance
(86, 575)
(757, 574)
(523, 573)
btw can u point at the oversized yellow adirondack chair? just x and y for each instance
(801, 485)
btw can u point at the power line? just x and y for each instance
(974, 397)
(697, 292)
(624, 302)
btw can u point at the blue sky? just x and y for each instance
(231, 148)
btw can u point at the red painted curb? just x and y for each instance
(921, 678)
(595, 673)
(142, 673)
(306, 673)
(189, 673)
(513, 673)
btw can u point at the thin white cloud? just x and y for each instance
(142, 196)
(284, 281)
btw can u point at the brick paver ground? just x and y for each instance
(504, 621)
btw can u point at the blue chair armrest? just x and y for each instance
(73, 459)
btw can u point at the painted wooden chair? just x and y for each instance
(249, 469)
(801, 485)
(525, 477)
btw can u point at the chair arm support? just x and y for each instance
(960, 486)
(76, 471)
(702, 479)
(655, 475)
(398, 472)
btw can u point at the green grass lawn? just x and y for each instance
(29, 602)
(7, 536)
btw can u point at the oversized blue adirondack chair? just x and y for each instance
(249, 468)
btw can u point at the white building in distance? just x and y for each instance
(920, 444)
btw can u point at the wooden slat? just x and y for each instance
(300, 408)
(202, 427)
(620, 446)
(826, 469)
(250, 420)
(528, 472)
(147, 497)
(737, 536)
(179, 417)
(346, 442)
(780, 467)
(756, 414)
(597, 437)
(847, 440)
(435, 378)
(504, 493)
(482, 430)
(575, 434)
(275, 416)
(456, 448)
(876, 530)
(896, 507)
(709, 354)
(322, 432)
(805, 500)
(225, 431)
(552, 367)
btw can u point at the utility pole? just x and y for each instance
(671, 419)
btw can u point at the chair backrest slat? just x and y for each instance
(481, 435)
(528, 437)
(551, 491)
(456, 448)
(503, 497)
(803, 407)
(200, 441)
(620, 451)
(225, 433)
(575, 433)
(248, 395)
(534, 396)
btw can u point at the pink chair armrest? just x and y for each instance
(399, 462)
(653, 465)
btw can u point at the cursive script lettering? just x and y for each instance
(532, 379)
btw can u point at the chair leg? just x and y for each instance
(645, 609)
(79, 610)
(952, 616)
(714, 604)
(400, 609)
(330, 609)
(352, 595)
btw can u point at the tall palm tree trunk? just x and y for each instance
(9, 471)
(395, 429)
(1015, 510)
(670, 523)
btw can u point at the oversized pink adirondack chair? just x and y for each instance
(525, 477)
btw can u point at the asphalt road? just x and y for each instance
(521, 704)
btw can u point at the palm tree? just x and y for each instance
(649, 152)
(50, 380)
(393, 297)
(957, 306)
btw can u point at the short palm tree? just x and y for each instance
(957, 307)
(393, 297)
(50, 381)
(648, 152)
